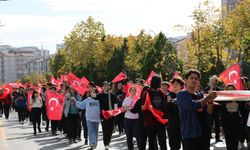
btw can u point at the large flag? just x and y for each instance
(112, 113)
(64, 77)
(6, 91)
(176, 74)
(138, 93)
(148, 81)
(85, 81)
(121, 76)
(233, 95)
(29, 99)
(155, 112)
(232, 76)
(54, 105)
(75, 83)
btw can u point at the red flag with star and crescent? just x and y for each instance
(54, 105)
(7, 89)
(148, 81)
(76, 83)
(232, 76)
(121, 76)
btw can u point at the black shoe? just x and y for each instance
(74, 141)
(39, 130)
(86, 142)
(70, 141)
(46, 129)
(34, 133)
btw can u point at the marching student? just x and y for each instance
(216, 114)
(152, 126)
(173, 128)
(194, 121)
(21, 105)
(107, 102)
(71, 112)
(131, 120)
(231, 121)
(36, 105)
(92, 114)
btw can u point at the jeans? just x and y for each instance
(93, 132)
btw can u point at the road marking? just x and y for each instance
(3, 136)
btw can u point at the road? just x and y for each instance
(14, 136)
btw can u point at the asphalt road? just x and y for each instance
(14, 136)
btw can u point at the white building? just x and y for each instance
(15, 62)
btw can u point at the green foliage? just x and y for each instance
(36, 78)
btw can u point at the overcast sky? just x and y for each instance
(46, 22)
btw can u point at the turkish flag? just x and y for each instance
(112, 113)
(15, 85)
(138, 93)
(176, 74)
(155, 112)
(53, 80)
(99, 89)
(7, 89)
(64, 77)
(33, 86)
(29, 99)
(54, 105)
(85, 81)
(148, 81)
(121, 76)
(75, 83)
(232, 76)
(25, 85)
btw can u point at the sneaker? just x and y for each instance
(70, 141)
(106, 147)
(92, 146)
(74, 141)
(61, 134)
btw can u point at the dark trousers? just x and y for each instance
(159, 131)
(36, 118)
(107, 128)
(194, 144)
(119, 122)
(72, 125)
(231, 130)
(6, 108)
(215, 118)
(1, 109)
(174, 135)
(21, 113)
(132, 129)
(54, 124)
(83, 123)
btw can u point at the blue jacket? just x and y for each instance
(190, 124)
(21, 102)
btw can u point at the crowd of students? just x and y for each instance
(192, 117)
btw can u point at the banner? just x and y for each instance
(233, 95)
